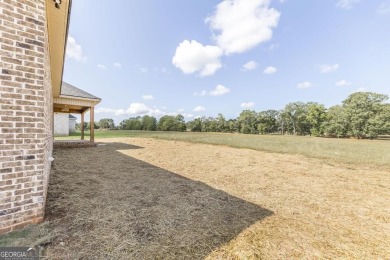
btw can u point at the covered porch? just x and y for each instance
(76, 101)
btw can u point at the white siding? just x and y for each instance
(61, 124)
(72, 125)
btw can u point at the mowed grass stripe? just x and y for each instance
(351, 151)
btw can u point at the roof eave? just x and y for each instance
(58, 21)
(81, 98)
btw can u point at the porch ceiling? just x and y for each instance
(73, 105)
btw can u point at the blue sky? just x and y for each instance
(201, 58)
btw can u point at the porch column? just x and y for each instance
(52, 125)
(82, 126)
(92, 125)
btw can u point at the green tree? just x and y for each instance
(149, 123)
(294, 115)
(316, 116)
(221, 123)
(171, 123)
(133, 123)
(195, 125)
(180, 123)
(247, 122)
(95, 126)
(107, 123)
(384, 118)
(336, 123)
(364, 113)
(78, 126)
(267, 121)
(209, 124)
(232, 126)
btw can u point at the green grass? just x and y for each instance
(107, 134)
(375, 152)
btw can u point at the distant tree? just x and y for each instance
(133, 123)
(95, 126)
(364, 113)
(232, 126)
(195, 125)
(282, 122)
(171, 123)
(209, 124)
(316, 116)
(336, 123)
(181, 124)
(149, 123)
(78, 126)
(221, 123)
(107, 123)
(267, 121)
(248, 122)
(294, 114)
(384, 118)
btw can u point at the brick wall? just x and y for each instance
(25, 113)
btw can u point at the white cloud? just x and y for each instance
(384, 8)
(270, 70)
(187, 115)
(147, 97)
(199, 109)
(202, 93)
(74, 50)
(139, 109)
(247, 104)
(361, 90)
(306, 84)
(143, 69)
(102, 67)
(118, 65)
(119, 112)
(241, 25)
(327, 68)
(343, 83)
(250, 65)
(104, 110)
(218, 91)
(346, 4)
(193, 57)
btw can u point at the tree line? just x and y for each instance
(361, 115)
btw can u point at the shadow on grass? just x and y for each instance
(103, 204)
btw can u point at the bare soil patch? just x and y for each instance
(136, 198)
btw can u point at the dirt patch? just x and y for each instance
(136, 198)
(107, 205)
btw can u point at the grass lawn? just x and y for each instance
(375, 152)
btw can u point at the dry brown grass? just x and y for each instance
(320, 209)
(156, 199)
